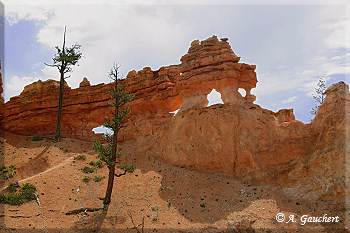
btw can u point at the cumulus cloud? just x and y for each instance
(339, 34)
(290, 100)
(125, 34)
(291, 54)
(15, 85)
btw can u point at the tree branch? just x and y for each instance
(77, 211)
(136, 227)
(51, 65)
(121, 174)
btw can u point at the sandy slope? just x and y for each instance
(171, 199)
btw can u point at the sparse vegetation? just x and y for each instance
(87, 169)
(37, 138)
(86, 179)
(320, 95)
(7, 172)
(80, 157)
(98, 178)
(26, 193)
(97, 164)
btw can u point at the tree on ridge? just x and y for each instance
(320, 95)
(63, 60)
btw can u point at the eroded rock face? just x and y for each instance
(208, 64)
(263, 147)
(237, 138)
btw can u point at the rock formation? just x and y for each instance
(236, 138)
(208, 64)
(263, 147)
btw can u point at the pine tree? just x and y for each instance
(109, 153)
(320, 95)
(63, 60)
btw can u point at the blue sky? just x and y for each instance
(293, 45)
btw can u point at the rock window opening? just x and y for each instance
(214, 97)
(242, 92)
(102, 129)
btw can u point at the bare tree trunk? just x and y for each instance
(107, 199)
(58, 125)
(60, 98)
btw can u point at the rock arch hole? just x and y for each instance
(214, 97)
(102, 129)
(242, 92)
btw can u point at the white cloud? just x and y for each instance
(339, 34)
(139, 35)
(126, 34)
(290, 100)
(341, 57)
(15, 84)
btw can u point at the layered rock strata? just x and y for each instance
(208, 64)
(238, 138)
(263, 147)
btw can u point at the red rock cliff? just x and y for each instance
(208, 64)
(260, 146)
(237, 138)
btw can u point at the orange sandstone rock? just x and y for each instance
(208, 64)
(237, 138)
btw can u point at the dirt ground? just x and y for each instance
(169, 198)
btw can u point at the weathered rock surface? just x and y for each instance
(208, 64)
(260, 146)
(236, 138)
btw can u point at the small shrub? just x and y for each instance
(27, 193)
(202, 205)
(98, 178)
(8, 172)
(13, 186)
(87, 169)
(13, 199)
(37, 138)
(99, 164)
(80, 157)
(86, 179)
